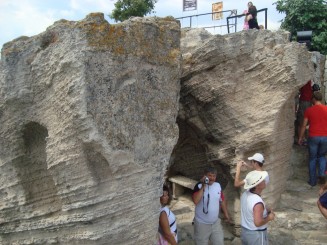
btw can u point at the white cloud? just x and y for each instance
(22, 19)
(87, 6)
(34, 20)
(273, 25)
(30, 17)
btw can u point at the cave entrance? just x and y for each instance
(189, 159)
(35, 177)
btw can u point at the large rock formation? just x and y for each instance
(88, 122)
(237, 98)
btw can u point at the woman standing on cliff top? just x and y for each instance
(252, 16)
(167, 221)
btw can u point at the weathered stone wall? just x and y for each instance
(319, 75)
(237, 98)
(88, 122)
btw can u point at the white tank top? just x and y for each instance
(171, 220)
(248, 201)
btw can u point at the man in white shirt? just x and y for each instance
(208, 198)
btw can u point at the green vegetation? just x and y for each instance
(125, 9)
(304, 15)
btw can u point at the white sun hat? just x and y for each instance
(254, 178)
(257, 157)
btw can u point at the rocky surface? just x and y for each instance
(237, 98)
(88, 122)
(298, 220)
(88, 115)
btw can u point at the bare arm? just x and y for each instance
(237, 181)
(302, 130)
(258, 215)
(198, 195)
(322, 189)
(225, 211)
(165, 228)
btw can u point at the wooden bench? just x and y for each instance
(180, 183)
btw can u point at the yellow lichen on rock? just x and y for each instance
(142, 37)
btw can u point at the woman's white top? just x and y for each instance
(171, 219)
(248, 201)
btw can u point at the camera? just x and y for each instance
(206, 180)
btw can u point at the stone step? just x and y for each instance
(299, 220)
(299, 196)
(295, 237)
(290, 201)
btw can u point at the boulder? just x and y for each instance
(88, 122)
(237, 98)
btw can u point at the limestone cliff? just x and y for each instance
(88, 122)
(88, 115)
(237, 98)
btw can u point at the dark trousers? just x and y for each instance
(253, 24)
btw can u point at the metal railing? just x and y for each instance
(243, 15)
(190, 17)
(232, 16)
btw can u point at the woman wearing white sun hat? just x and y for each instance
(254, 214)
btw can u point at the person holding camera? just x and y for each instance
(208, 198)
(256, 162)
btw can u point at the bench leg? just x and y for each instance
(178, 190)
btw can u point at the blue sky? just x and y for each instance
(31, 17)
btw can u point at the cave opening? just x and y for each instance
(35, 177)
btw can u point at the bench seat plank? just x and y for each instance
(179, 183)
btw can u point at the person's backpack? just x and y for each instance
(323, 200)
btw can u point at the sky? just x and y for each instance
(31, 17)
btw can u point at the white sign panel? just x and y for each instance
(217, 7)
(189, 5)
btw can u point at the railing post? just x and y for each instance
(266, 18)
(228, 25)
